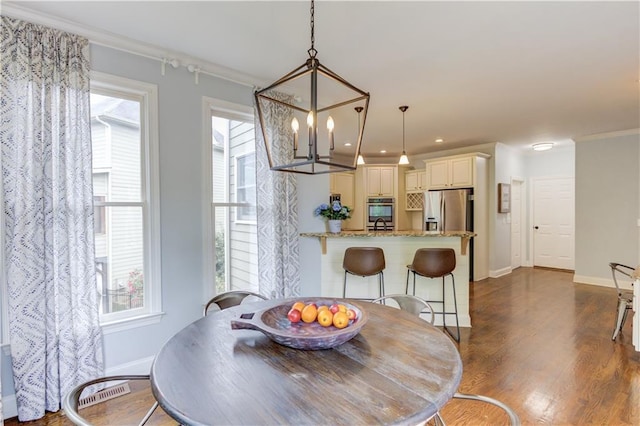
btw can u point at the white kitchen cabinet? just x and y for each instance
(456, 172)
(415, 180)
(343, 183)
(381, 181)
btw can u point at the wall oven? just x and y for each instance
(380, 209)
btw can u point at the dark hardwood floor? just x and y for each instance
(539, 343)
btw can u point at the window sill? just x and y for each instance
(130, 323)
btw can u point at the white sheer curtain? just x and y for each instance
(54, 329)
(277, 208)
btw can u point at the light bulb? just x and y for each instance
(310, 119)
(295, 125)
(330, 124)
(403, 158)
(360, 160)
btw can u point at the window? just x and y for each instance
(124, 143)
(246, 186)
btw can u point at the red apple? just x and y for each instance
(294, 315)
(334, 308)
(351, 314)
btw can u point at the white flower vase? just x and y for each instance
(335, 226)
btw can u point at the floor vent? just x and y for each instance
(105, 394)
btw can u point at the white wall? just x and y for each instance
(607, 204)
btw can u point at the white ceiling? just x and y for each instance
(471, 72)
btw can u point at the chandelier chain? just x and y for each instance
(312, 52)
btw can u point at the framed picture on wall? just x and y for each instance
(504, 198)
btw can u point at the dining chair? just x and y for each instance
(625, 297)
(409, 303)
(230, 298)
(71, 401)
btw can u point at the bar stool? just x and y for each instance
(436, 263)
(364, 262)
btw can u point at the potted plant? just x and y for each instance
(335, 212)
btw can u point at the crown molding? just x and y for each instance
(607, 135)
(128, 45)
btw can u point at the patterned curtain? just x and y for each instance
(277, 203)
(54, 329)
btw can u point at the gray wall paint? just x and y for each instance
(607, 204)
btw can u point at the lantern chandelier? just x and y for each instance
(329, 143)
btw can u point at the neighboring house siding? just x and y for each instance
(117, 150)
(243, 236)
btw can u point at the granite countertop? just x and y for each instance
(346, 234)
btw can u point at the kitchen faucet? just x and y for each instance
(375, 224)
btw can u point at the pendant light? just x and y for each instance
(319, 149)
(403, 158)
(360, 161)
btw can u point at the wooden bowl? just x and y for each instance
(274, 323)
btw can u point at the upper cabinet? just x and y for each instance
(454, 172)
(344, 183)
(381, 181)
(415, 180)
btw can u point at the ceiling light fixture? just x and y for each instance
(360, 161)
(439, 140)
(331, 106)
(544, 146)
(403, 158)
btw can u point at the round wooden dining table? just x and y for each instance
(398, 370)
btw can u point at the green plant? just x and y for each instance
(220, 257)
(333, 211)
(135, 282)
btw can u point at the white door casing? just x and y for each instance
(554, 222)
(516, 223)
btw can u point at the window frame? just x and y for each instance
(147, 95)
(233, 111)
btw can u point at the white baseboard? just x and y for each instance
(9, 406)
(500, 272)
(602, 282)
(139, 366)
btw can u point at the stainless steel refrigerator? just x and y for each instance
(448, 210)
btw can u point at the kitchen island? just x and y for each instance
(399, 248)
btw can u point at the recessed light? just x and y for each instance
(439, 140)
(544, 146)
(383, 151)
(347, 144)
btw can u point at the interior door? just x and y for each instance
(554, 222)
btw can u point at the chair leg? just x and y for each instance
(620, 316)
(455, 310)
(344, 286)
(149, 414)
(406, 287)
(381, 283)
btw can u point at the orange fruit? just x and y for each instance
(342, 308)
(309, 313)
(298, 305)
(325, 317)
(340, 320)
(322, 308)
